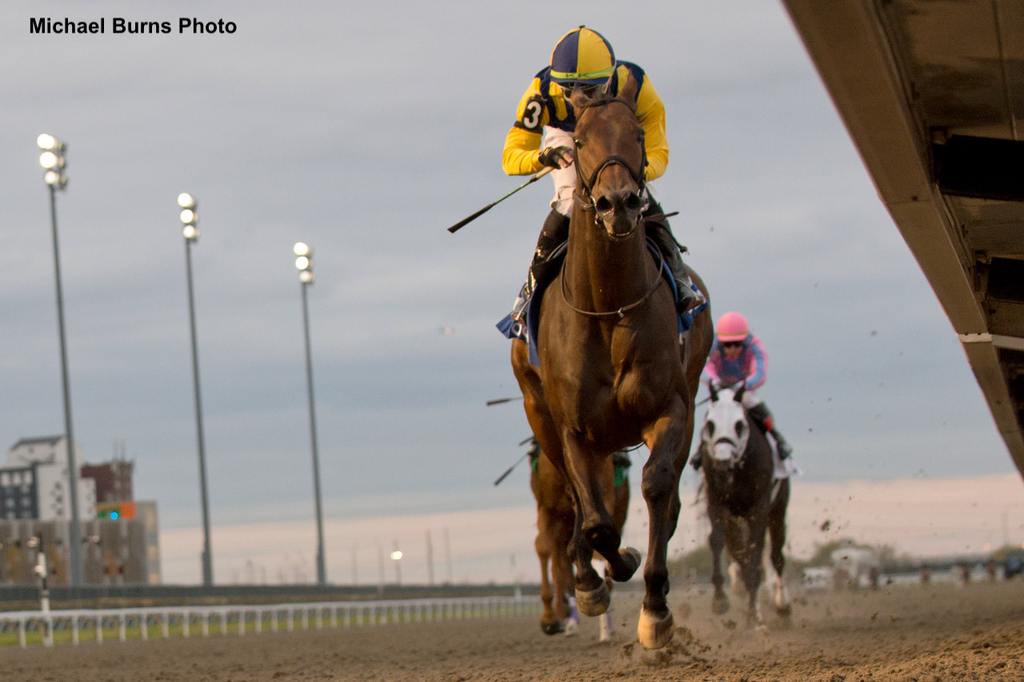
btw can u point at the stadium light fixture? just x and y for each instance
(190, 231)
(53, 161)
(304, 264)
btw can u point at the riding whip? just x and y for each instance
(465, 221)
(509, 470)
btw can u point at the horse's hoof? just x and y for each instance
(756, 623)
(552, 628)
(572, 627)
(719, 604)
(784, 611)
(631, 558)
(654, 631)
(593, 602)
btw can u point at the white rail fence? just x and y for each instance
(241, 620)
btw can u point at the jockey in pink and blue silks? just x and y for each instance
(738, 357)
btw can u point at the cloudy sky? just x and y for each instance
(365, 130)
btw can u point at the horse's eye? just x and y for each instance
(739, 427)
(577, 141)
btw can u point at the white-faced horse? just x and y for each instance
(746, 498)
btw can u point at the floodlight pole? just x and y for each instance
(75, 535)
(207, 552)
(321, 570)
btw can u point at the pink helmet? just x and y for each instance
(732, 327)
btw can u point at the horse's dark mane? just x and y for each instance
(601, 98)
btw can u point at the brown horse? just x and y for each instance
(555, 521)
(612, 371)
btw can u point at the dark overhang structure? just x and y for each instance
(932, 93)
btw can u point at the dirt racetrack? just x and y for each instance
(936, 632)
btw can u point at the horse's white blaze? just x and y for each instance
(725, 432)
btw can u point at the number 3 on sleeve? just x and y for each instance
(531, 119)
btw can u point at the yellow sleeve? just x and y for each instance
(521, 153)
(650, 110)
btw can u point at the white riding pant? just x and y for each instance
(565, 178)
(750, 399)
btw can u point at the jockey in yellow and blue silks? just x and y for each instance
(542, 136)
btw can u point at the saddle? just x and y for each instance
(545, 272)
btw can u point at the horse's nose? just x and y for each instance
(621, 200)
(619, 211)
(722, 451)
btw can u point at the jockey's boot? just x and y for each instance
(763, 416)
(554, 231)
(658, 229)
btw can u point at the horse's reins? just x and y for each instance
(587, 201)
(621, 312)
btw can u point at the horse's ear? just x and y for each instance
(578, 99)
(739, 394)
(628, 87)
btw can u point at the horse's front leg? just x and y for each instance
(753, 573)
(547, 544)
(716, 540)
(561, 572)
(594, 528)
(666, 439)
(777, 534)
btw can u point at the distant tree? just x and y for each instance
(887, 554)
(699, 558)
(1001, 553)
(823, 553)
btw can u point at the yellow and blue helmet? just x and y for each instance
(582, 56)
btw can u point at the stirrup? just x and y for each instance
(522, 299)
(689, 295)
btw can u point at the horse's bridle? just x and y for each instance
(586, 199)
